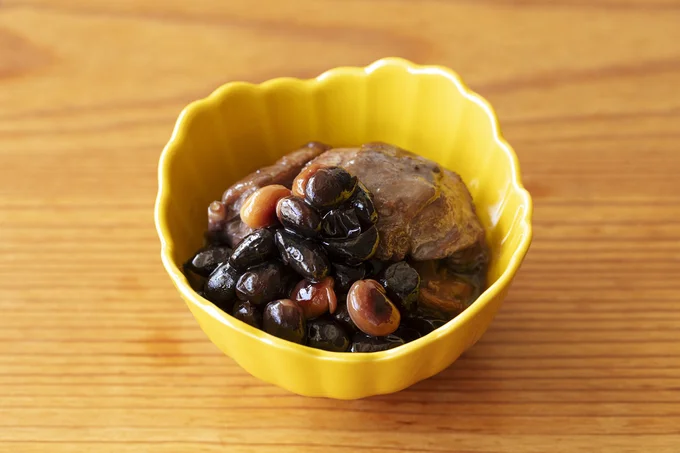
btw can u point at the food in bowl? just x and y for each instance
(344, 249)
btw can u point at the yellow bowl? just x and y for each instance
(425, 109)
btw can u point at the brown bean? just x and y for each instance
(300, 181)
(315, 299)
(371, 310)
(259, 209)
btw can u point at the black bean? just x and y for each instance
(341, 223)
(424, 323)
(354, 250)
(342, 317)
(289, 280)
(327, 335)
(362, 202)
(220, 288)
(367, 343)
(296, 215)
(329, 186)
(303, 256)
(346, 275)
(248, 313)
(207, 259)
(375, 268)
(406, 333)
(197, 282)
(402, 283)
(260, 284)
(284, 319)
(255, 248)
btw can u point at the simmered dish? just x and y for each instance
(344, 249)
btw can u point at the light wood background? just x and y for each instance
(99, 354)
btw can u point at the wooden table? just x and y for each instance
(98, 353)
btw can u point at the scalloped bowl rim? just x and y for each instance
(221, 92)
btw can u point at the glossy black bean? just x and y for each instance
(354, 250)
(284, 319)
(206, 260)
(342, 317)
(254, 249)
(367, 343)
(362, 202)
(402, 283)
(304, 257)
(424, 324)
(329, 186)
(406, 333)
(260, 284)
(289, 280)
(346, 275)
(197, 282)
(296, 215)
(248, 313)
(375, 268)
(341, 223)
(327, 335)
(220, 288)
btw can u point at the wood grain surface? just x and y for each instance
(99, 354)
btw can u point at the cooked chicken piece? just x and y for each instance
(424, 211)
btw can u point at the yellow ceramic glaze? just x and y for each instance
(425, 109)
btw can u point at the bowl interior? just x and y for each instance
(426, 110)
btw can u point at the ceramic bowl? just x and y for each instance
(425, 109)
